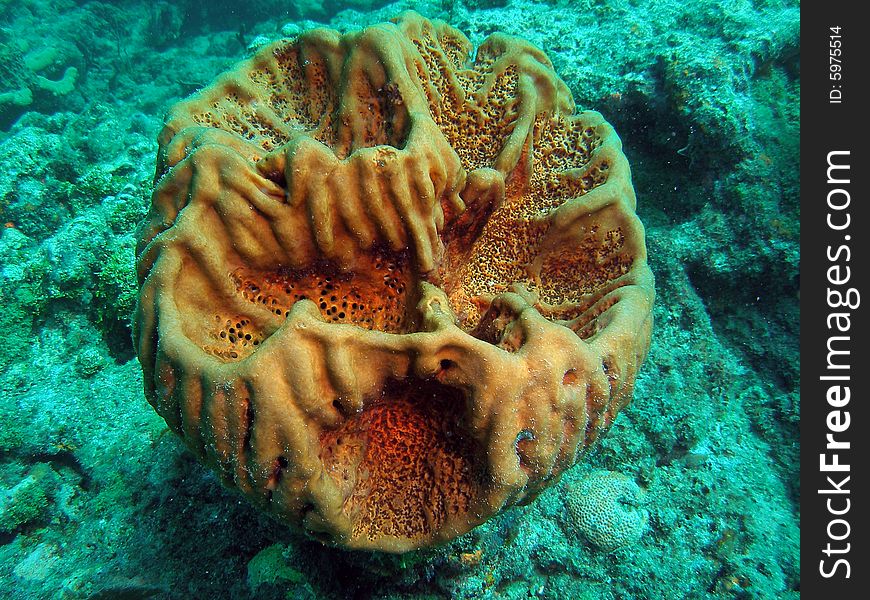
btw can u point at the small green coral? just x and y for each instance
(116, 281)
(23, 273)
(95, 183)
(27, 501)
(271, 568)
(607, 508)
(11, 436)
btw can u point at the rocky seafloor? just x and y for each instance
(98, 500)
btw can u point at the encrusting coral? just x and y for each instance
(389, 289)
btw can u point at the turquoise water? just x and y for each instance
(99, 500)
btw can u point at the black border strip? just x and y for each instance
(835, 299)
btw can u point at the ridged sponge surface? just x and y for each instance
(390, 287)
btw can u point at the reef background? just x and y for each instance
(98, 500)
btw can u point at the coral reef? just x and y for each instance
(380, 183)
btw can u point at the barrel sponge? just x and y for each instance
(388, 287)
